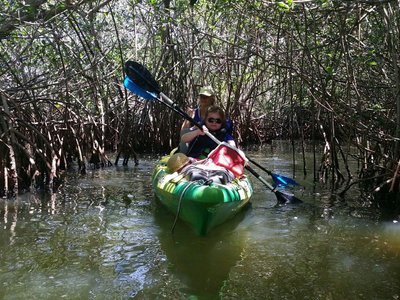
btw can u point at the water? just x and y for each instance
(103, 236)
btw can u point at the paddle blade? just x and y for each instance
(141, 77)
(279, 180)
(135, 89)
(283, 180)
(286, 198)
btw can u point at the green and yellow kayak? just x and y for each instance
(201, 201)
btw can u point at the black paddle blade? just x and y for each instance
(141, 76)
(286, 198)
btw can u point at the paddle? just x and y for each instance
(140, 82)
(278, 179)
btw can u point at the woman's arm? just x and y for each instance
(186, 123)
(191, 135)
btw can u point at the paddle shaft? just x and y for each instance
(178, 110)
(260, 166)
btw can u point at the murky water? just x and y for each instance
(103, 236)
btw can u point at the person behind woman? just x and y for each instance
(206, 99)
(199, 143)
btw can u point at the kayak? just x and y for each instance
(204, 193)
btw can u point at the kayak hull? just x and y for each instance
(201, 204)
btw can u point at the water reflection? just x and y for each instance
(201, 264)
(72, 244)
(104, 237)
(303, 254)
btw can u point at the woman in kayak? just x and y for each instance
(199, 143)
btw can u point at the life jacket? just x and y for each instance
(202, 145)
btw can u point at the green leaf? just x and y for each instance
(283, 6)
(329, 70)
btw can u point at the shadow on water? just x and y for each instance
(201, 264)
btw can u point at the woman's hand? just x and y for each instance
(205, 129)
(190, 112)
(186, 123)
(191, 135)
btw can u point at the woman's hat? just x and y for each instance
(177, 161)
(206, 91)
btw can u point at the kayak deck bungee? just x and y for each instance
(203, 202)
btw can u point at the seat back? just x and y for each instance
(229, 158)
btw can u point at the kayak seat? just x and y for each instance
(230, 158)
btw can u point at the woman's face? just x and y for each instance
(213, 121)
(206, 100)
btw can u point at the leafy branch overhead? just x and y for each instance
(37, 12)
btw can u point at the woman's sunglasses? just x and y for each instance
(212, 120)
